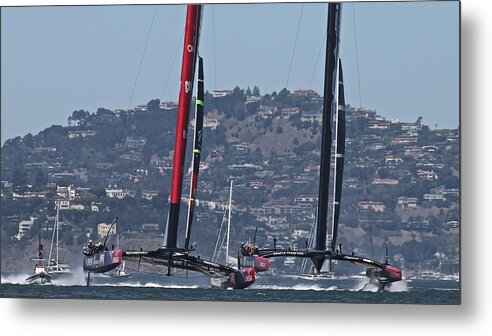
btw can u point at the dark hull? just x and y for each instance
(103, 261)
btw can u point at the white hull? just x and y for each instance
(38, 279)
(219, 282)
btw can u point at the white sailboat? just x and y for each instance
(222, 243)
(223, 237)
(54, 267)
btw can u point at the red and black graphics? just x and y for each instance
(190, 52)
(103, 261)
(393, 273)
(260, 264)
(384, 275)
(243, 278)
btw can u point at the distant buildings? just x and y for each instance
(103, 229)
(24, 227)
(82, 134)
(385, 181)
(117, 193)
(303, 92)
(406, 202)
(365, 206)
(427, 175)
(135, 142)
(221, 93)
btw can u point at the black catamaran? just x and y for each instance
(170, 255)
(333, 110)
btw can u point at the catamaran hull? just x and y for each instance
(243, 278)
(260, 264)
(386, 275)
(239, 279)
(103, 261)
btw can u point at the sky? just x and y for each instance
(404, 57)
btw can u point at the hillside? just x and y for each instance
(401, 181)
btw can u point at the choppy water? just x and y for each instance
(197, 288)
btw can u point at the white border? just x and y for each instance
(85, 317)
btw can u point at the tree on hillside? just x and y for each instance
(256, 91)
(154, 105)
(19, 177)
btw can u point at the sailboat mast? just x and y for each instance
(329, 108)
(191, 38)
(229, 223)
(52, 237)
(57, 224)
(197, 149)
(339, 156)
(40, 246)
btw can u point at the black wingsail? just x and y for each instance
(339, 156)
(329, 109)
(197, 149)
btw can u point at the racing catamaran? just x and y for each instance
(333, 109)
(171, 256)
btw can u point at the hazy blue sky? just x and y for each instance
(59, 59)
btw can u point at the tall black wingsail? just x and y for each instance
(339, 156)
(329, 109)
(197, 149)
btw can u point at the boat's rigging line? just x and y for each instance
(55, 231)
(288, 78)
(294, 48)
(142, 57)
(220, 237)
(175, 273)
(365, 173)
(317, 60)
(356, 54)
(213, 42)
(171, 67)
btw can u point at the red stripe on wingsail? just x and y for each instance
(185, 93)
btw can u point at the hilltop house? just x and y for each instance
(221, 93)
(103, 229)
(24, 227)
(427, 175)
(365, 206)
(406, 202)
(117, 193)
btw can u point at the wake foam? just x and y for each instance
(365, 285)
(299, 287)
(16, 279)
